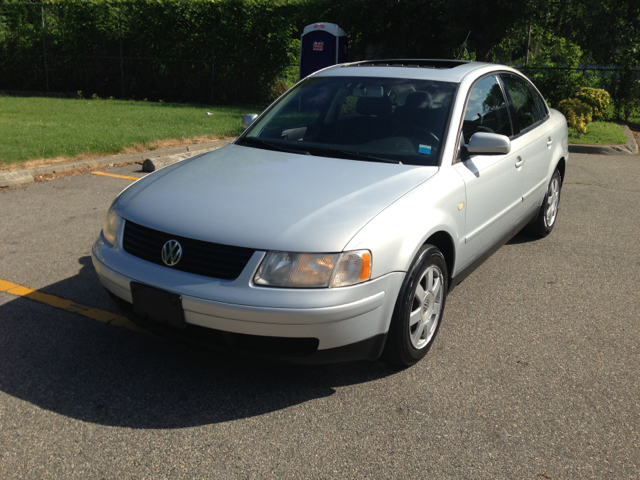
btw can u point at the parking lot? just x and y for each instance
(535, 372)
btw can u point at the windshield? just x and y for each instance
(361, 118)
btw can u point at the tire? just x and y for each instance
(548, 214)
(418, 311)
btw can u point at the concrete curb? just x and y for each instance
(16, 177)
(154, 158)
(151, 164)
(630, 148)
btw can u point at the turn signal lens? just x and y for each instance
(352, 268)
(366, 266)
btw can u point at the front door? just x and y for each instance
(493, 183)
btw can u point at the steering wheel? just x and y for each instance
(478, 128)
(419, 133)
(481, 128)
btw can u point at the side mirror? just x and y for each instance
(482, 143)
(248, 119)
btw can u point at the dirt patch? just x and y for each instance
(44, 162)
(136, 148)
(78, 171)
(168, 143)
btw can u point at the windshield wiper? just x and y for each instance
(260, 143)
(363, 156)
(319, 152)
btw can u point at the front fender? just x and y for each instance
(395, 234)
(560, 149)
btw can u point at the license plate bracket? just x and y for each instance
(158, 305)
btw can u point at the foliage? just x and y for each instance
(625, 88)
(578, 114)
(494, 100)
(597, 98)
(607, 33)
(418, 28)
(170, 49)
(608, 29)
(555, 67)
(617, 44)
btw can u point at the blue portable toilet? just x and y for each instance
(322, 45)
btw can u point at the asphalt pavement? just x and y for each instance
(535, 372)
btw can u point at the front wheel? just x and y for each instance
(419, 308)
(543, 225)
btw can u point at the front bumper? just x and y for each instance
(342, 324)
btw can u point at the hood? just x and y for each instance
(267, 200)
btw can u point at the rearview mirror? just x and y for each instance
(368, 91)
(483, 143)
(248, 119)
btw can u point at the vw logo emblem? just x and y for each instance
(171, 253)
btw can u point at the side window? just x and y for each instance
(486, 110)
(525, 104)
(542, 107)
(302, 109)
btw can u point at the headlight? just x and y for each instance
(314, 270)
(111, 224)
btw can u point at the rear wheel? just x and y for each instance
(543, 225)
(419, 308)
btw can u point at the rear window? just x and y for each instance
(527, 107)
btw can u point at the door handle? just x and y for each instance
(520, 162)
(549, 142)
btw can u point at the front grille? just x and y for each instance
(202, 258)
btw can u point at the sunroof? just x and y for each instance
(439, 64)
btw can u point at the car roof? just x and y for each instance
(427, 69)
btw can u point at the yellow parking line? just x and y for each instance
(116, 176)
(68, 305)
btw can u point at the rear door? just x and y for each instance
(533, 138)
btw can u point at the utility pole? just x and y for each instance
(121, 59)
(44, 46)
(526, 62)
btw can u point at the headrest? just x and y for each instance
(374, 106)
(418, 100)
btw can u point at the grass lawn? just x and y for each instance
(599, 133)
(33, 128)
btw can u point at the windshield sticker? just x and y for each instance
(424, 149)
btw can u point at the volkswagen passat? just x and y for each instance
(335, 226)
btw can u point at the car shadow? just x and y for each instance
(522, 237)
(94, 372)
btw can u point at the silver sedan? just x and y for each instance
(334, 228)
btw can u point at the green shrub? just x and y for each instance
(578, 114)
(597, 98)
